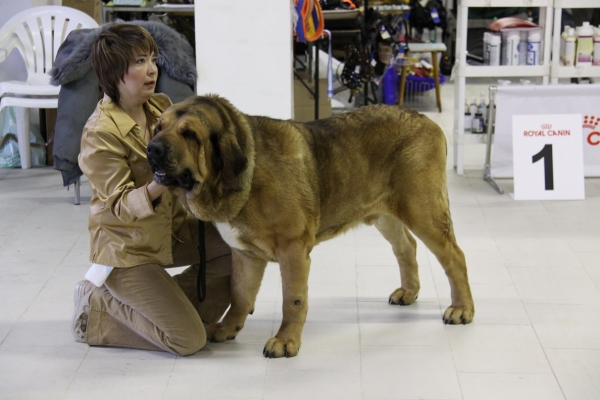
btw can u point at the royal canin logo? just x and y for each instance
(591, 122)
(546, 126)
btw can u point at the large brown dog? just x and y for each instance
(275, 189)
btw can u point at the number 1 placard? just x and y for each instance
(548, 157)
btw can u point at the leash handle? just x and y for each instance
(201, 282)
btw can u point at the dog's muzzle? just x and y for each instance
(164, 169)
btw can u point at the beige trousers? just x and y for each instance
(144, 307)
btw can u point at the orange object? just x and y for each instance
(310, 22)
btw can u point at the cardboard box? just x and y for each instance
(304, 102)
(93, 8)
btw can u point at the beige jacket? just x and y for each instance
(126, 229)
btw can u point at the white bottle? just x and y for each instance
(426, 35)
(510, 47)
(481, 107)
(495, 49)
(468, 121)
(596, 57)
(439, 38)
(523, 48)
(473, 106)
(534, 47)
(486, 48)
(567, 42)
(561, 48)
(585, 45)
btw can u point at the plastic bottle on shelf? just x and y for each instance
(567, 47)
(486, 48)
(510, 47)
(534, 47)
(494, 47)
(585, 45)
(561, 48)
(523, 48)
(426, 35)
(468, 121)
(596, 57)
(439, 38)
(477, 123)
(481, 107)
(473, 106)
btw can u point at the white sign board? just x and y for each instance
(547, 99)
(548, 157)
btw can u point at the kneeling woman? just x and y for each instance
(137, 227)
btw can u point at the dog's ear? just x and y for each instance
(227, 159)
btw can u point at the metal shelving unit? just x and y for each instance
(464, 71)
(558, 71)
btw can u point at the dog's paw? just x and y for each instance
(218, 333)
(402, 297)
(458, 315)
(276, 348)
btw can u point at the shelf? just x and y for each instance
(576, 4)
(510, 3)
(576, 72)
(485, 71)
(472, 138)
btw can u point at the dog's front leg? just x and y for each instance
(247, 274)
(294, 262)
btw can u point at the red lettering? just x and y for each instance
(592, 142)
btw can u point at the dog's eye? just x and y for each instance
(190, 135)
(157, 129)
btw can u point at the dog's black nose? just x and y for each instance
(156, 149)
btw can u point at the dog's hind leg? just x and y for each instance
(430, 221)
(405, 250)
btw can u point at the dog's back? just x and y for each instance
(358, 161)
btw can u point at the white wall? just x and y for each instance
(244, 53)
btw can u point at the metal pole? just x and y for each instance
(77, 187)
(487, 168)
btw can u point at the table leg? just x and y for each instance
(436, 77)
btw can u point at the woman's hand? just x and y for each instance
(155, 190)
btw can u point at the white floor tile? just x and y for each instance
(555, 285)
(497, 348)
(409, 372)
(121, 374)
(566, 326)
(577, 372)
(217, 370)
(477, 386)
(38, 372)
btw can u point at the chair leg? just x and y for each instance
(22, 116)
(77, 191)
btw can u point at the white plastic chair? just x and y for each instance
(36, 33)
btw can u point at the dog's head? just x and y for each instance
(201, 144)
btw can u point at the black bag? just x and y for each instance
(421, 17)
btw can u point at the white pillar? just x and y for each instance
(244, 53)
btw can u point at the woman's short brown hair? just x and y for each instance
(114, 50)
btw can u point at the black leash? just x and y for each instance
(201, 283)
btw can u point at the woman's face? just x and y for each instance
(139, 81)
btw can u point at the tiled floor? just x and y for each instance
(534, 269)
